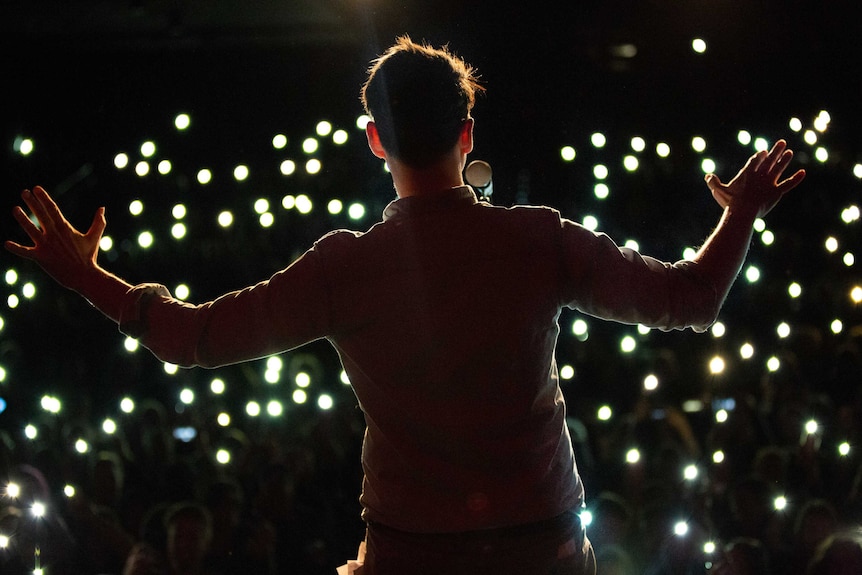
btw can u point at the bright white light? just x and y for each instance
(148, 149)
(279, 141)
(795, 124)
(708, 166)
(568, 153)
(225, 219)
(223, 456)
(718, 456)
(743, 137)
(334, 206)
(690, 472)
(178, 230)
(261, 205)
(821, 122)
(718, 329)
(716, 365)
(586, 517)
(811, 427)
(81, 446)
(601, 190)
(31, 431)
(698, 144)
(783, 330)
(836, 326)
(204, 176)
(362, 121)
(182, 291)
(810, 137)
(28, 290)
(339, 137)
(266, 220)
(69, 490)
(323, 128)
(121, 161)
(849, 259)
(127, 405)
(857, 171)
(856, 294)
(274, 408)
(182, 121)
(38, 509)
(579, 326)
(567, 372)
(794, 290)
(287, 167)
(698, 45)
(821, 154)
(598, 140)
(680, 529)
(356, 211)
(217, 386)
(591, 223)
(752, 274)
(145, 239)
(136, 207)
(638, 144)
(142, 168)
(773, 364)
(604, 413)
(109, 426)
(302, 379)
(721, 416)
(345, 379)
(746, 351)
(634, 245)
(600, 171)
(831, 244)
(850, 214)
(767, 237)
(843, 449)
(780, 503)
(303, 204)
(651, 382)
(630, 163)
(759, 225)
(223, 419)
(325, 402)
(240, 173)
(187, 396)
(628, 344)
(633, 455)
(299, 396)
(662, 150)
(252, 408)
(709, 547)
(13, 490)
(164, 167)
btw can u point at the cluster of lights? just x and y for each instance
(266, 212)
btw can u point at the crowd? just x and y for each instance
(141, 501)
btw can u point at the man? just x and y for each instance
(444, 315)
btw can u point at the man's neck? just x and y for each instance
(443, 175)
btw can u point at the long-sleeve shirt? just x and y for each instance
(445, 316)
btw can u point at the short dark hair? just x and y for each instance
(419, 98)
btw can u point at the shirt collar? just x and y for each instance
(460, 196)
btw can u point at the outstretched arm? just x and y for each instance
(68, 255)
(751, 194)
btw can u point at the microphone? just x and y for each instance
(478, 174)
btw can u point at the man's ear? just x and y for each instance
(374, 140)
(465, 140)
